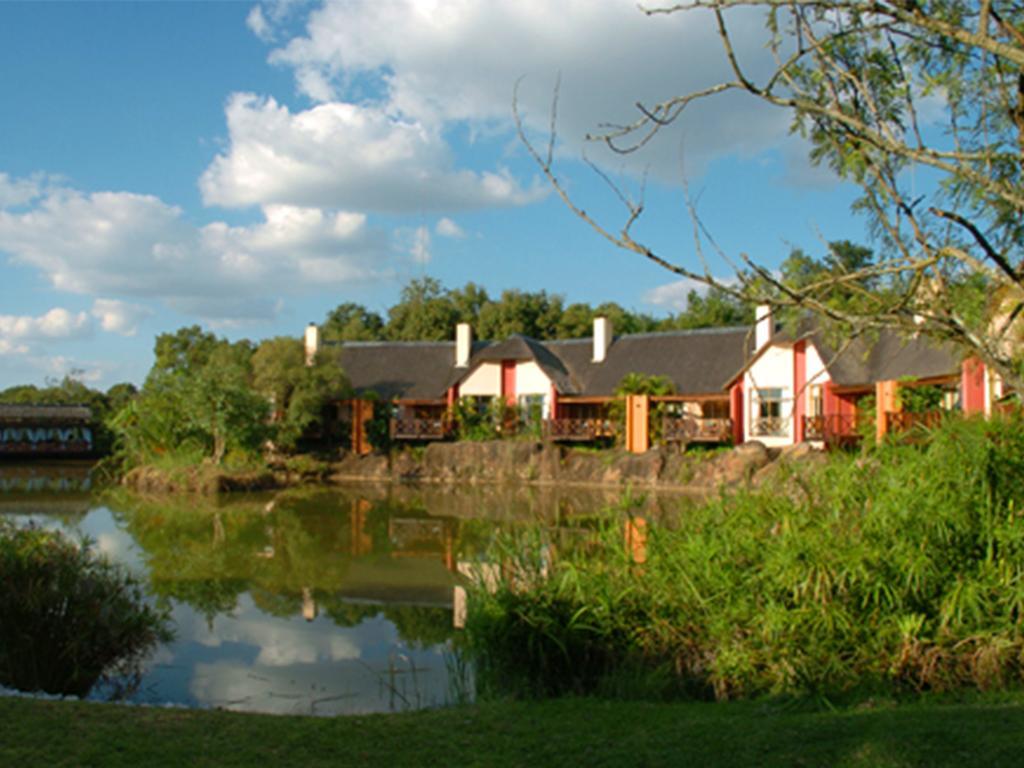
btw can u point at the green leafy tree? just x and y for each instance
(426, 312)
(352, 322)
(714, 308)
(530, 314)
(198, 401)
(888, 94)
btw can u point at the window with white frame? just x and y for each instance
(769, 417)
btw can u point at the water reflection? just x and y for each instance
(317, 601)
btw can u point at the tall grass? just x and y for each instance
(898, 569)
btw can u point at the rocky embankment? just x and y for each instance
(499, 462)
(547, 464)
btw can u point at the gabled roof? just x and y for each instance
(698, 362)
(888, 357)
(518, 347)
(884, 356)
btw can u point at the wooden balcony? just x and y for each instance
(421, 429)
(769, 426)
(578, 430)
(834, 429)
(905, 421)
(690, 429)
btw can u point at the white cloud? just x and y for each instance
(8, 347)
(340, 155)
(118, 316)
(56, 325)
(137, 246)
(420, 249)
(256, 22)
(674, 296)
(448, 228)
(14, 192)
(450, 62)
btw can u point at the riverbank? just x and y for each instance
(982, 731)
(491, 462)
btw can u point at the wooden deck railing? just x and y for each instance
(578, 429)
(905, 421)
(691, 429)
(834, 428)
(421, 429)
(769, 426)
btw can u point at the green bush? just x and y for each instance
(900, 569)
(68, 617)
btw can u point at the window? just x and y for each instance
(768, 418)
(533, 408)
(816, 406)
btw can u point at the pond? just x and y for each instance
(313, 600)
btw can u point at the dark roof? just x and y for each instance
(887, 356)
(698, 362)
(49, 414)
(406, 370)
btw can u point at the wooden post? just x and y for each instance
(636, 539)
(362, 412)
(638, 435)
(887, 401)
(360, 542)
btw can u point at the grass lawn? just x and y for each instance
(986, 731)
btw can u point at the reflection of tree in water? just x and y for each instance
(420, 626)
(290, 552)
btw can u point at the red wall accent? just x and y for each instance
(799, 389)
(736, 411)
(972, 386)
(453, 396)
(508, 381)
(553, 409)
(830, 401)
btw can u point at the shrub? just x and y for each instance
(68, 617)
(899, 569)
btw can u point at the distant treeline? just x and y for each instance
(427, 311)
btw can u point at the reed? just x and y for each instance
(900, 569)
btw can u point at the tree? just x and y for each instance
(197, 400)
(530, 314)
(352, 322)
(426, 312)
(714, 309)
(854, 76)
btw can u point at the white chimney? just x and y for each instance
(763, 324)
(312, 342)
(602, 338)
(463, 345)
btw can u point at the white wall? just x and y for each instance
(483, 381)
(816, 373)
(773, 370)
(531, 380)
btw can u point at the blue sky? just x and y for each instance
(249, 166)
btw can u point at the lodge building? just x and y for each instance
(730, 385)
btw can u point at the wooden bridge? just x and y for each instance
(45, 430)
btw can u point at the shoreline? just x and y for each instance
(492, 463)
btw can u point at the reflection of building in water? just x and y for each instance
(54, 477)
(308, 604)
(45, 430)
(423, 537)
(361, 541)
